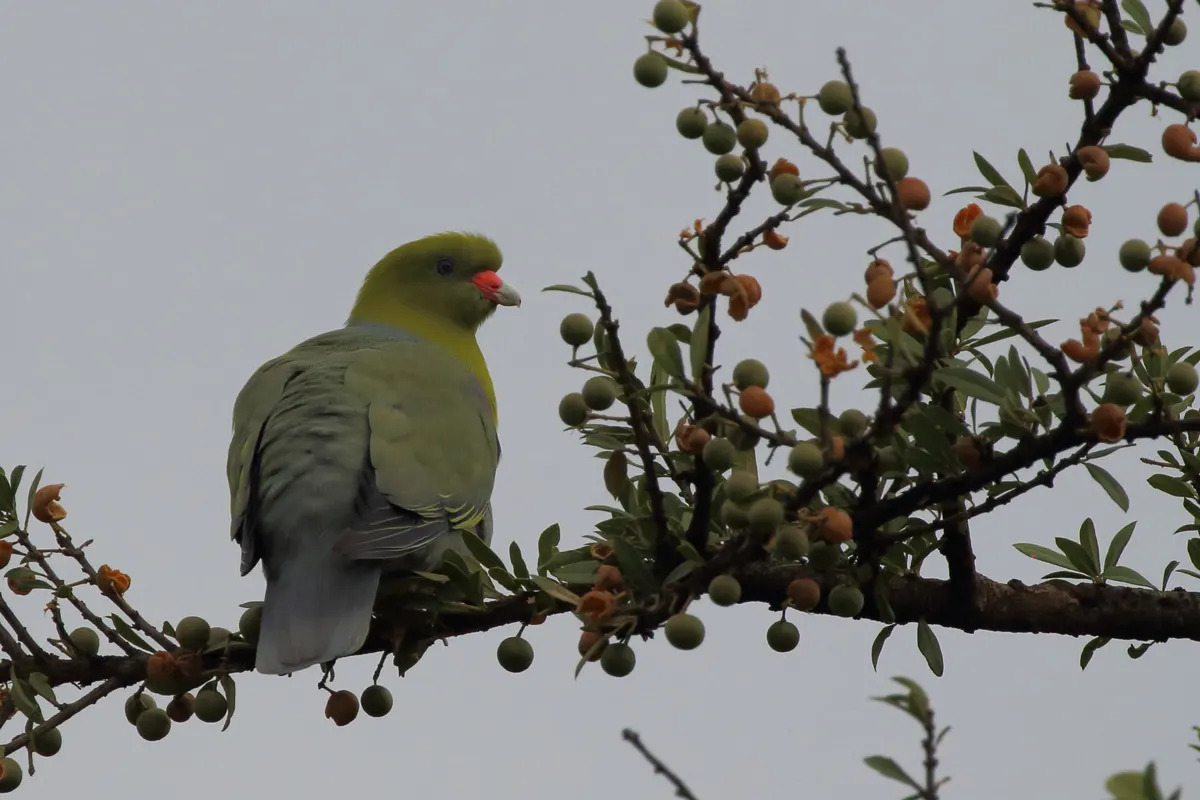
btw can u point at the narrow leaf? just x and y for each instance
(633, 565)
(229, 688)
(41, 685)
(665, 349)
(1026, 166)
(1045, 554)
(547, 545)
(1138, 13)
(25, 701)
(555, 589)
(481, 552)
(1129, 153)
(1126, 575)
(990, 173)
(971, 383)
(890, 769)
(1117, 546)
(1172, 486)
(1109, 484)
(927, 643)
(699, 347)
(129, 634)
(520, 569)
(1089, 649)
(877, 645)
(562, 287)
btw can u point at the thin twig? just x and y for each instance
(681, 789)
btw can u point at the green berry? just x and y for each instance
(10, 775)
(765, 515)
(153, 724)
(787, 188)
(684, 631)
(250, 623)
(576, 329)
(85, 642)
(741, 438)
(791, 543)
(192, 633)
(846, 601)
(806, 460)
(985, 231)
(1037, 253)
(573, 410)
(691, 122)
(48, 743)
(210, 705)
(729, 167)
(1134, 255)
(852, 422)
(599, 392)
(839, 318)
(741, 485)
(835, 97)
(1189, 85)
(1175, 33)
(943, 298)
(135, 704)
(750, 372)
(725, 590)
(515, 654)
(895, 163)
(718, 454)
(859, 124)
(376, 700)
(1182, 378)
(718, 138)
(783, 636)
(1122, 388)
(735, 514)
(1069, 250)
(650, 70)
(752, 133)
(670, 16)
(217, 637)
(618, 659)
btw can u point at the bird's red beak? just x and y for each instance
(496, 290)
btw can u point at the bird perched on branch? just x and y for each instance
(366, 451)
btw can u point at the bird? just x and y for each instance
(367, 451)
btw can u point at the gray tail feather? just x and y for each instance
(317, 608)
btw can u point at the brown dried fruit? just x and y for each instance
(609, 577)
(1172, 219)
(979, 286)
(879, 266)
(587, 640)
(835, 525)
(712, 282)
(782, 166)
(774, 239)
(1179, 141)
(1052, 179)
(161, 668)
(682, 291)
(596, 606)
(1094, 160)
(342, 707)
(913, 194)
(881, 291)
(1147, 333)
(1108, 422)
(1076, 220)
(804, 593)
(765, 93)
(45, 507)
(6, 551)
(112, 581)
(1084, 85)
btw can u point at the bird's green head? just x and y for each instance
(444, 279)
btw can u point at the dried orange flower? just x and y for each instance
(601, 551)
(916, 315)
(781, 166)
(979, 286)
(1076, 220)
(830, 361)
(756, 402)
(697, 228)
(964, 218)
(1179, 141)
(45, 506)
(691, 439)
(6, 550)
(608, 577)
(1094, 160)
(1097, 321)
(712, 282)
(1173, 267)
(866, 340)
(1108, 422)
(112, 581)
(774, 239)
(597, 605)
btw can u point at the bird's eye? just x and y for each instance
(445, 265)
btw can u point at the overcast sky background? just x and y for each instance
(191, 188)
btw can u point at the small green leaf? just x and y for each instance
(1004, 196)
(562, 287)
(1132, 27)
(1193, 548)
(1126, 575)
(966, 190)
(1026, 166)
(1078, 555)
(547, 545)
(1126, 786)
(633, 565)
(520, 570)
(1089, 649)
(1087, 539)
(989, 173)
(809, 419)
(504, 579)
(1109, 484)
(877, 645)
(481, 552)
(1117, 545)
(229, 689)
(41, 685)
(555, 589)
(1008, 333)
(1172, 486)
(927, 643)
(698, 351)
(1168, 570)
(1138, 13)
(616, 473)
(971, 384)
(1128, 152)
(665, 349)
(25, 700)
(890, 769)
(1044, 554)
(128, 634)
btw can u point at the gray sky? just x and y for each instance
(189, 189)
